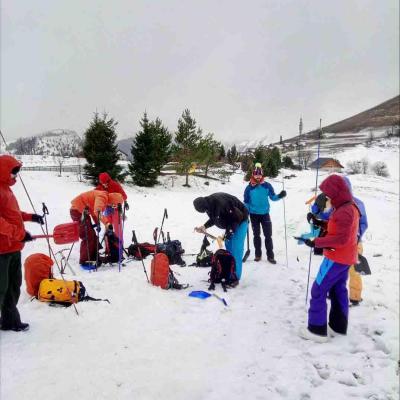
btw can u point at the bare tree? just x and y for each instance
(380, 168)
(364, 165)
(354, 167)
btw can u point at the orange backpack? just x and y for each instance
(37, 267)
(162, 275)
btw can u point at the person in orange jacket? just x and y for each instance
(109, 185)
(84, 207)
(12, 239)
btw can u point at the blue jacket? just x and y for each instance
(256, 198)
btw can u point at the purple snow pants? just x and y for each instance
(331, 278)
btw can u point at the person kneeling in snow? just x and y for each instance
(226, 212)
(340, 251)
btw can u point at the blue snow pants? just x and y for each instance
(235, 245)
(331, 278)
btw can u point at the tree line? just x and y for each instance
(154, 146)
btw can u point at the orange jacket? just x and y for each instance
(95, 200)
(112, 186)
(12, 229)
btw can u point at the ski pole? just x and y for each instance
(120, 236)
(162, 223)
(46, 212)
(316, 189)
(284, 221)
(134, 240)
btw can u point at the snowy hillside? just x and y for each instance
(58, 142)
(152, 344)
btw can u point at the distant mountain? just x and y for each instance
(124, 145)
(373, 123)
(57, 142)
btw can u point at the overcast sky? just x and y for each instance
(245, 69)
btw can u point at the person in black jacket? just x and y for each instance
(226, 212)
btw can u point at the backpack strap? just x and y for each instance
(89, 298)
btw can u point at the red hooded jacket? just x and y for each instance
(112, 186)
(342, 223)
(12, 229)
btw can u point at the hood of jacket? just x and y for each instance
(104, 178)
(335, 187)
(7, 164)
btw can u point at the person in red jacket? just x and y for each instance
(340, 251)
(12, 238)
(111, 186)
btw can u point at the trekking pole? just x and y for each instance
(84, 222)
(34, 210)
(46, 212)
(98, 239)
(134, 240)
(284, 221)
(120, 236)
(316, 189)
(162, 224)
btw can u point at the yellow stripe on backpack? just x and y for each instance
(59, 290)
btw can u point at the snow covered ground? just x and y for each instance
(155, 344)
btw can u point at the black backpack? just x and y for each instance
(223, 270)
(173, 249)
(141, 250)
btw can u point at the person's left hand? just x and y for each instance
(282, 194)
(38, 219)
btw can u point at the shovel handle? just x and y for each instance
(41, 236)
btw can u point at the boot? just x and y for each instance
(21, 327)
(272, 260)
(257, 258)
(306, 334)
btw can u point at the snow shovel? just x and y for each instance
(201, 294)
(246, 255)
(63, 234)
(219, 239)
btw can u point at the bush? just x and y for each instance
(380, 168)
(353, 167)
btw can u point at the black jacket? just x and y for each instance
(225, 211)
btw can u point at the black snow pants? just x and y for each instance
(265, 221)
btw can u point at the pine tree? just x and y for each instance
(186, 144)
(208, 152)
(150, 151)
(100, 149)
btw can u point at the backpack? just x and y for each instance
(204, 258)
(223, 269)
(37, 267)
(173, 249)
(145, 249)
(59, 291)
(113, 247)
(162, 275)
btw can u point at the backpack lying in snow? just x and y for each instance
(173, 249)
(59, 291)
(162, 275)
(223, 270)
(141, 250)
(37, 267)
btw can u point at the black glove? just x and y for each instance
(309, 243)
(37, 218)
(109, 230)
(315, 221)
(126, 205)
(27, 237)
(282, 194)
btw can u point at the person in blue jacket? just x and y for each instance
(256, 198)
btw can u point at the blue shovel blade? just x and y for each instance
(200, 294)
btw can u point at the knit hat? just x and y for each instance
(258, 170)
(200, 204)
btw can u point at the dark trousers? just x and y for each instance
(265, 221)
(10, 284)
(87, 235)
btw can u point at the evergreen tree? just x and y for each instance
(232, 156)
(150, 151)
(221, 152)
(100, 149)
(208, 151)
(287, 162)
(186, 144)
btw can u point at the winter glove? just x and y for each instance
(282, 194)
(37, 218)
(109, 230)
(309, 243)
(126, 205)
(27, 237)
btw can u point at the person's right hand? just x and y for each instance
(200, 229)
(27, 238)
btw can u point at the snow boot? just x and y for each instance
(272, 260)
(256, 258)
(306, 334)
(21, 327)
(333, 333)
